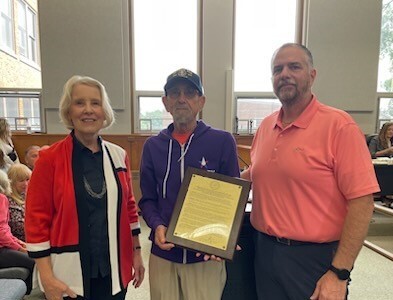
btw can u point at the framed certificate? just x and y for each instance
(208, 213)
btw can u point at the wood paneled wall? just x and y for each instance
(132, 143)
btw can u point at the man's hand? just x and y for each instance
(329, 287)
(160, 240)
(207, 257)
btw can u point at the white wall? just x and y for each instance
(217, 58)
(344, 37)
(92, 37)
(85, 37)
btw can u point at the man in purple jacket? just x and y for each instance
(177, 273)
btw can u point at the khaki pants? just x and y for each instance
(174, 281)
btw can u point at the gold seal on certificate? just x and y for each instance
(208, 213)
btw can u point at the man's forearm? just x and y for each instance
(354, 232)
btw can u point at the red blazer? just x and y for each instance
(57, 215)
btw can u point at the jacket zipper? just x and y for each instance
(181, 179)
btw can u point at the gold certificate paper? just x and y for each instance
(208, 212)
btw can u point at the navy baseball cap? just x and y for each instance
(184, 75)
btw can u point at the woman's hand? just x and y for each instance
(55, 289)
(139, 269)
(22, 246)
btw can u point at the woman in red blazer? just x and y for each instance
(81, 219)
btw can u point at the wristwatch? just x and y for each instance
(342, 274)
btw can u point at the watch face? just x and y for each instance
(343, 274)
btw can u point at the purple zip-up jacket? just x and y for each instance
(163, 165)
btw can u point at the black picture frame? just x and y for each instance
(193, 214)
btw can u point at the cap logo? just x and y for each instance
(182, 73)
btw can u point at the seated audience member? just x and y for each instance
(44, 147)
(31, 155)
(7, 147)
(19, 176)
(3, 164)
(13, 251)
(381, 145)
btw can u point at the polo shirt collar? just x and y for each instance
(305, 117)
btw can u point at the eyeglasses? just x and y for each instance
(175, 93)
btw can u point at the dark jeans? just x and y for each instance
(101, 289)
(13, 258)
(285, 272)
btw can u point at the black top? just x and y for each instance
(12, 155)
(93, 172)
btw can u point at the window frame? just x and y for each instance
(379, 122)
(10, 21)
(251, 95)
(29, 35)
(136, 94)
(381, 95)
(20, 95)
(137, 117)
(300, 16)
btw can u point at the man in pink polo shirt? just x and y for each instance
(313, 182)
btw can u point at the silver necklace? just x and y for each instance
(90, 191)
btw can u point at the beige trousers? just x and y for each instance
(174, 281)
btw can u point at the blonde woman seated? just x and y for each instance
(13, 251)
(19, 176)
(381, 145)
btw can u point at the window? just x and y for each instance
(251, 111)
(152, 117)
(385, 111)
(261, 27)
(6, 25)
(385, 70)
(22, 110)
(27, 30)
(157, 54)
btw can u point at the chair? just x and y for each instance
(369, 137)
(12, 285)
(14, 273)
(12, 289)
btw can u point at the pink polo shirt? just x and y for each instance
(304, 175)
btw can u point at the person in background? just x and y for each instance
(9, 154)
(19, 175)
(81, 224)
(3, 164)
(44, 147)
(176, 273)
(13, 251)
(381, 145)
(31, 156)
(312, 197)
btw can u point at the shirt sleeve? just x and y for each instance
(149, 201)
(40, 207)
(229, 163)
(353, 167)
(131, 204)
(7, 240)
